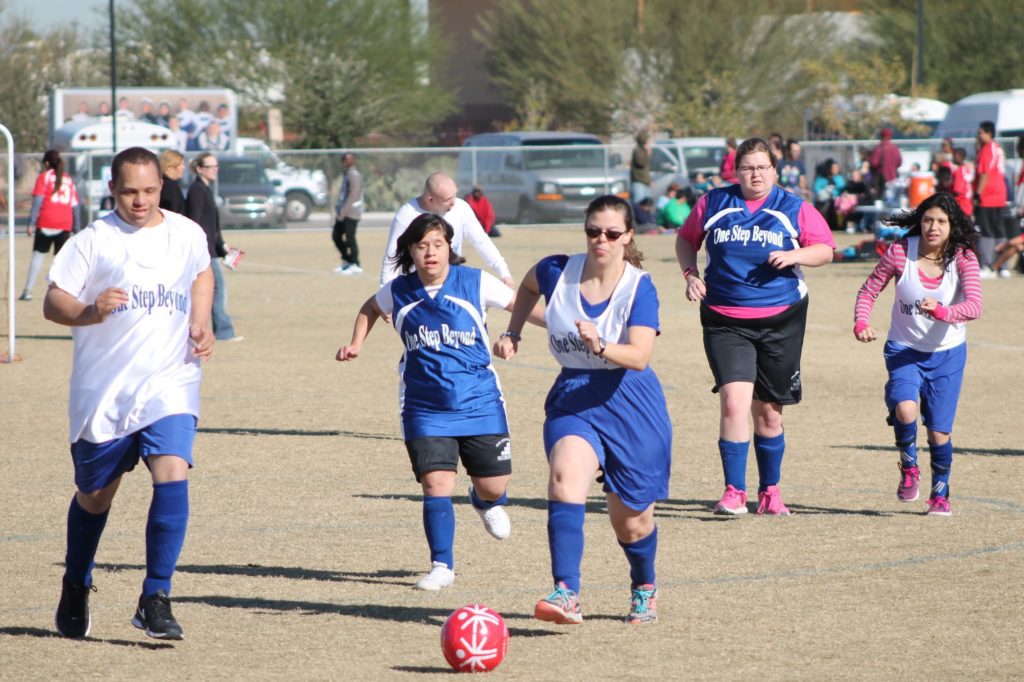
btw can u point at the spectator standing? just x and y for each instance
(83, 112)
(963, 181)
(990, 188)
(180, 136)
(347, 214)
(172, 167)
(164, 112)
(134, 381)
(792, 174)
(201, 207)
(728, 168)
(441, 196)
(224, 120)
(148, 115)
(483, 210)
(885, 163)
(640, 167)
(54, 215)
(213, 139)
(124, 110)
(187, 121)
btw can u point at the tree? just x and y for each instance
(30, 64)
(970, 45)
(338, 69)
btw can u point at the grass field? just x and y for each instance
(305, 535)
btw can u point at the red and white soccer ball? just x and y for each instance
(474, 639)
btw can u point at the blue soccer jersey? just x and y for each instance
(739, 242)
(448, 386)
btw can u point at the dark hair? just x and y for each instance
(959, 152)
(420, 226)
(52, 159)
(199, 161)
(611, 202)
(989, 127)
(755, 145)
(943, 179)
(961, 231)
(135, 155)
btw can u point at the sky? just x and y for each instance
(50, 13)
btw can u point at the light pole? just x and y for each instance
(113, 81)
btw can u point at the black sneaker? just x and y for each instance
(72, 619)
(155, 617)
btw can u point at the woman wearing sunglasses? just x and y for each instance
(754, 312)
(606, 410)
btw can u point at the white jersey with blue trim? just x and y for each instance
(564, 308)
(448, 385)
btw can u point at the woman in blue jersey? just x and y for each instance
(753, 311)
(452, 406)
(606, 411)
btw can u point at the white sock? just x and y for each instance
(33, 270)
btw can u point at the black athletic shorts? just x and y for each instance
(990, 221)
(764, 351)
(42, 244)
(483, 456)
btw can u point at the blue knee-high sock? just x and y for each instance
(565, 540)
(439, 525)
(942, 460)
(769, 452)
(485, 504)
(906, 442)
(84, 531)
(734, 462)
(641, 555)
(165, 534)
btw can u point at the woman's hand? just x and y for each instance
(696, 290)
(349, 352)
(780, 260)
(866, 335)
(929, 304)
(588, 332)
(505, 348)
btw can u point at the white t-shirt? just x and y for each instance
(466, 227)
(136, 367)
(493, 294)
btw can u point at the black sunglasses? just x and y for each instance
(612, 235)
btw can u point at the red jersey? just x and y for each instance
(483, 210)
(991, 161)
(963, 187)
(55, 213)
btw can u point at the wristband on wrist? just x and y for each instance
(690, 271)
(515, 336)
(602, 345)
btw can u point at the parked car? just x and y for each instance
(303, 189)
(533, 177)
(248, 197)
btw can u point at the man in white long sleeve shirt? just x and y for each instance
(440, 196)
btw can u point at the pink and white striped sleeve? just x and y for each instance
(970, 279)
(891, 265)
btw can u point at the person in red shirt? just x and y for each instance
(990, 188)
(54, 215)
(483, 210)
(728, 168)
(885, 163)
(963, 181)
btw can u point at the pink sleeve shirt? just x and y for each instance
(813, 230)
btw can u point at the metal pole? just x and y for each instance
(920, 43)
(113, 81)
(10, 241)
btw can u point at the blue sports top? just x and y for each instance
(448, 385)
(738, 243)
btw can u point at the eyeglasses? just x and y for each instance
(213, 166)
(750, 170)
(611, 235)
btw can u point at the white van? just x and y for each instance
(1005, 108)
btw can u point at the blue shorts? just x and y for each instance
(623, 416)
(97, 465)
(933, 378)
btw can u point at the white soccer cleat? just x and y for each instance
(495, 519)
(440, 577)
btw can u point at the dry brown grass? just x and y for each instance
(305, 534)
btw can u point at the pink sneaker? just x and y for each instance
(938, 506)
(770, 502)
(733, 502)
(907, 490)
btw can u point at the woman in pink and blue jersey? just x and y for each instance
(754, 312)
(938, 290)
(606, 410)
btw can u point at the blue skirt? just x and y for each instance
(623, 415)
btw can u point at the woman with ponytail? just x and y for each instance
(54, 215)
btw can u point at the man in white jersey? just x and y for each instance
(136, 289)
(441, 196)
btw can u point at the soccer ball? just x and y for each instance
(474, 639)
